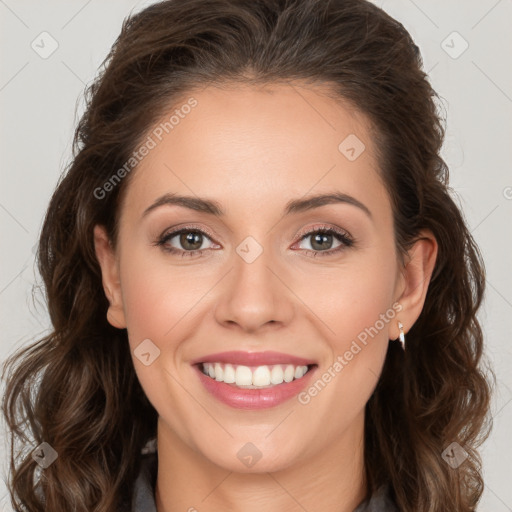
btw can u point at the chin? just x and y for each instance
(246, 457)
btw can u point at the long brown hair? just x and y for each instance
(77, 389)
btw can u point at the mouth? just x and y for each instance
(254, 377)
(252, 381)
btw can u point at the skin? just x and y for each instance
(253, 149)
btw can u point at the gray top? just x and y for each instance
(144, 490)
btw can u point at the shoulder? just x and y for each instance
(144, 487)
(380, 501)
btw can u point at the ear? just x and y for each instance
(110, 277)
(415, 279)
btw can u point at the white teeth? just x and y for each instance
(277, 375)
(219, 372)
(243, 376)
(253, 378)
(289, 373)
(229, 374)
(261, 376)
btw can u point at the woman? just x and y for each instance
(254, 263)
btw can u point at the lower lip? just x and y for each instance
(252, 399)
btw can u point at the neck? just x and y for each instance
(331, 481)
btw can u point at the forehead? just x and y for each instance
(257, 143)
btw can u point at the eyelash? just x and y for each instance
(342, 236)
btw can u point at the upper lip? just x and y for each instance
(253, 358)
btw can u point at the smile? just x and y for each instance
(256, 377)
(253, 380)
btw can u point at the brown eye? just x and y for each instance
(184, 241)
(191, 240)
(321, 241)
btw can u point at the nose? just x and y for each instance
(254, 295)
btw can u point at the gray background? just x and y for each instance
(40, 99)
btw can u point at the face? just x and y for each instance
(253, 277)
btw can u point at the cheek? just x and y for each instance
(157, 297)
(159, 306)
(353, 297)
(355, 302)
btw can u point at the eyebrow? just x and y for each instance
(296, 206)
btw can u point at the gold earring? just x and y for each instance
(402, 335)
